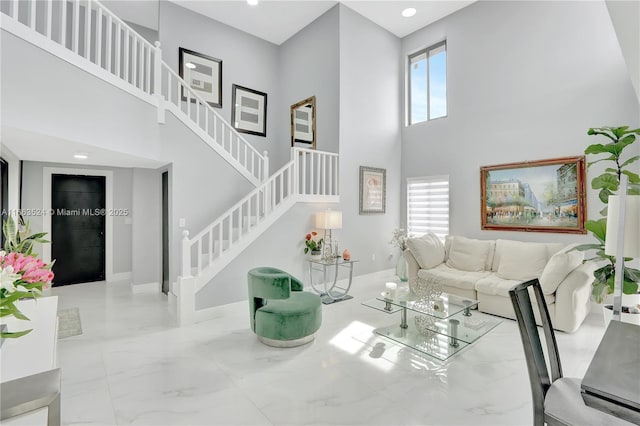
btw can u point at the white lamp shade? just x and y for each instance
(631, 226)
(329, 220)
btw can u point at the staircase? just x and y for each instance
(89, 36)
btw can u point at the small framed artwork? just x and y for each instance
(373, 183)
(249, 110)
(203, 74)
(303, 123)
(535, 196)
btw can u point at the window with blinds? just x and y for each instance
(428, 206)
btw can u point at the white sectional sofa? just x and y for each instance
(485, 270)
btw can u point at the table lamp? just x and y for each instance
(623, 237)
(329, 220)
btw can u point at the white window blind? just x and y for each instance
(428, 205)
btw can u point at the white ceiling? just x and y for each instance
(387, 14)
(277, 20)
(31, 146)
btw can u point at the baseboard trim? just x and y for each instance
(207, 314)
(145, 288)
(120, 276)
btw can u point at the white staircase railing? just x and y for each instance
(119, 54)
(309, 176)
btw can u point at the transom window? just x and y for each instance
(428, 84)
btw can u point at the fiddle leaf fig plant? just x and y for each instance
(608, 184)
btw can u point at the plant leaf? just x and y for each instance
(15, 334)
(604, 194)
(599, 292)
(633, 177)
(630, 160)
(601, 131)
(591, 163)
(598, 228)
(629, 287)
(585, 247)
(605, 181)
(597, 148)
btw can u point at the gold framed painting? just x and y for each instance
(535, 196)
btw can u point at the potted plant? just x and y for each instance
(400, 240)
(608, 184)
(313, 245)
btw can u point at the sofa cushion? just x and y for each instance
(558, 267)
(468, 254)
(428, 250)
(505, 245)
(448, 276)
(521, 261)
(493, 285)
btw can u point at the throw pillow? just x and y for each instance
(427, 249)
(522, 261)
(468, 255)
(559, 266)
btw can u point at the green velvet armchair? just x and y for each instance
(282, 314)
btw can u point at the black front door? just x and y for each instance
(78, 228)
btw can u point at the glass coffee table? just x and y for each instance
(439, 327)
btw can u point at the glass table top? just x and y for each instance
(444, 306)
(432, 324)
(333, 261)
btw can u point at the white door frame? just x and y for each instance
(46, 205)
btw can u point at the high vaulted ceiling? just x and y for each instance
(277, 20)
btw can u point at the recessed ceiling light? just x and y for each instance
(252, 2)
(190, 65)
(80, 156)
(409, 12)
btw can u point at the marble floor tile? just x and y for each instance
(133, 365)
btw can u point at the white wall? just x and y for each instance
(625, 16)
(32, 191)
(309, 65)
(43, 94)
(370, 96)
(202, 184)
(146, 231)
(525, 82)
(246, 60)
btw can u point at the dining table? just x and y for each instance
(612, 381)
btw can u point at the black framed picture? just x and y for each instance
(203, 74)
(249, 110)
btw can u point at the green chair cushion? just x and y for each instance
(289, 319)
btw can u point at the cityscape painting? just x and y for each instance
(535, 196)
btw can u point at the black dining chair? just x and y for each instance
(556, 399)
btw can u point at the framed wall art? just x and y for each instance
(249, 110)
(535, 196)
(203, 74)
(303, 123)
(373, 183)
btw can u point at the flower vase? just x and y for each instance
(402, 269)
(315, 254)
